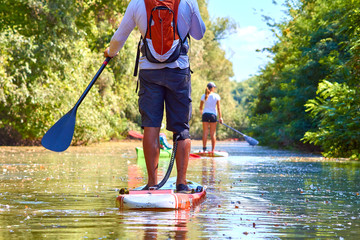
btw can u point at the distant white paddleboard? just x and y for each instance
(211, 154)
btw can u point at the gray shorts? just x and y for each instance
(171, 86)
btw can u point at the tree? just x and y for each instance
(317, 43)
(50, 50)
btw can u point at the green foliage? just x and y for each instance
(48, 58)
(337, 109)
(318, 42)
(245, 94)
(223, 27)
(50, 51)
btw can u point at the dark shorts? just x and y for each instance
(209, 117)
(169, 86)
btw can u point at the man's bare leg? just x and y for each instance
(182, 160)
(151, 148)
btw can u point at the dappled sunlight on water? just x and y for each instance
(256, 192)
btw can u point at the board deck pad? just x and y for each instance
(212, 154)
(164, 198)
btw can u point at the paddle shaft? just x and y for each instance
(58, 137)
(250, 140)
(107, 60)
(233, 129)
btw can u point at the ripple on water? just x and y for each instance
(254, 193)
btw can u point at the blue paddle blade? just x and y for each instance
(251, 140)
(58, 137)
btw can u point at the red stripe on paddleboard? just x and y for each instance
(186, 201)
(176, 201)
(120, 201)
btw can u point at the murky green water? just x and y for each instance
(254, 193)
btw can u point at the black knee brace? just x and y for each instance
(181, 135)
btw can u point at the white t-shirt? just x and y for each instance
(189, 21)
(210, 103)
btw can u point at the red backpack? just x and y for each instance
(162, 42)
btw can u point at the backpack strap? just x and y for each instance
(188, 37)
(137, 58)
(137, 65)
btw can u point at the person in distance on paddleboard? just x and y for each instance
(210, 109)
(161, 82)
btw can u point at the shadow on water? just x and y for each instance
(256, 192)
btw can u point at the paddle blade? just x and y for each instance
(251, 140)
(58, 137)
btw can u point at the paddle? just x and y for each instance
(58, 137)
(250, 140)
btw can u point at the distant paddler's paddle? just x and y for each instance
(58, 137)
(250, 140)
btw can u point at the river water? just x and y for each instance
(255, 193)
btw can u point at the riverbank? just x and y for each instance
(101, 147)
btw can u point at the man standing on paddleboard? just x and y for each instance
(164, 78)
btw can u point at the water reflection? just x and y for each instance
(254, 193)
(153, 224)
(208, 171)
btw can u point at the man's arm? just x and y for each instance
(197, 28)
(122, 33)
